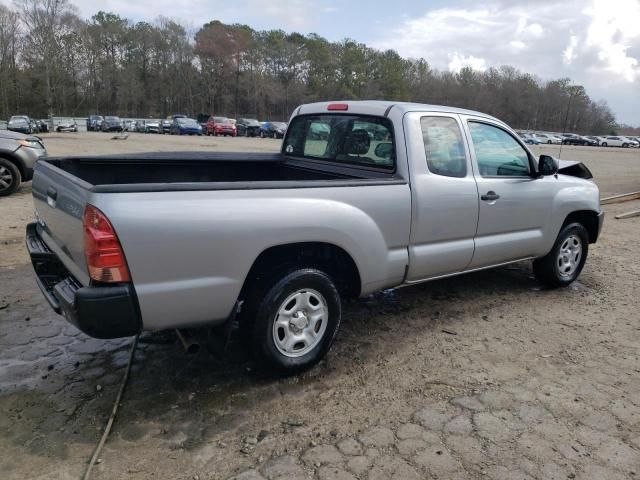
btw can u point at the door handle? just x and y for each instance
(52, 196)
(490, 196)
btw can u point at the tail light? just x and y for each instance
(102, 250)
(340, 107)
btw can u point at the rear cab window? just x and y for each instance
(359, 140)
(443, 146)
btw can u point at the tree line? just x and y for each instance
(52, 62)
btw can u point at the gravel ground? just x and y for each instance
(482, 376)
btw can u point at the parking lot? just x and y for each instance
(481, 376)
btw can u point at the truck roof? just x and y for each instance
(383, 107)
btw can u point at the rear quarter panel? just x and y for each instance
(189, 252)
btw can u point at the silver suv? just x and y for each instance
(18, 156)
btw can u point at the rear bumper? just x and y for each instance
(101, 311)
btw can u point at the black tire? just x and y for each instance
(625, 145)
(604, 144)
(548, 270)
(10, 175)
(262, 313)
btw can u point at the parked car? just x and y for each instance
(529, 139)
(248, 127)
(273, 130)
(18, 156)
(139, 126)
(165, 125)
(152, 126)
(21, 124)
(319, 131)
(250, 237)
(633, 142)
(596, 139)
(549, 138)
(67, 126)
(616, 141)
(111, 124)
(185, 126)
(128, 125)
(202, 119)
(578, 140)
(43, 126)
(220, 126)
(94, 123)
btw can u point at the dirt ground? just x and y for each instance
(482, 376)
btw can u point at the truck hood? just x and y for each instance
(13, 135)
(574, 169)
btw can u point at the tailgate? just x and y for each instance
(59, 199)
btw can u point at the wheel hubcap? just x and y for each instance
(569, 256)
(300, 323)
(6, 178)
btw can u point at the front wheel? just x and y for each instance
(9, 177)
(562, 265)
(296, 321)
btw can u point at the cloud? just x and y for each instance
(595, 43)
(458, 62)
(612, 32)
(569, 54)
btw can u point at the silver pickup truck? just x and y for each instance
(363, 196)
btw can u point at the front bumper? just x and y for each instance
(28, 157)
(101, 311)
(600, 223)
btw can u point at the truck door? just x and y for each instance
(514, 204)
(444, 196)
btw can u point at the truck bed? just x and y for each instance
(190, 171)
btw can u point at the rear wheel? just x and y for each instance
(9, 177)
(625, 145)
(295, 321)
(562, 265)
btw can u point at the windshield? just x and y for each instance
(220, 120)
(187, 122)
(279, 125)
(355, 139)
(251, 122)
(112, 119)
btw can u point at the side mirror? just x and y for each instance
(547, 165)
(384, 150)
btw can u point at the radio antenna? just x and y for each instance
(566, 119)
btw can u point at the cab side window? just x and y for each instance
(498, 153)
(443, 146)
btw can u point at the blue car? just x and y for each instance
(185, 126)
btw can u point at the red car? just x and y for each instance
(220, 126)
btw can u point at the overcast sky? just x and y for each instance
(594, 42)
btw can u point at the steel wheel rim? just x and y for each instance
(300, 323)
(569, 256)
(6, 178)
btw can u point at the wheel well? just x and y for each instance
(588, 218)
(17, 163)
(333, 260)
